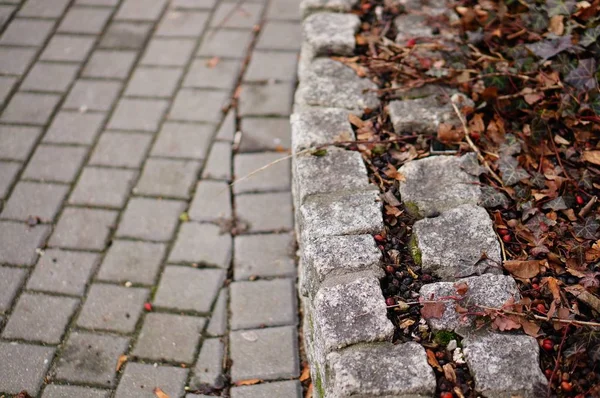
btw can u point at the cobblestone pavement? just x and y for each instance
(116, 217)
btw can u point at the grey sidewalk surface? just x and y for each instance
(128, 264)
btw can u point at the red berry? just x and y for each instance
(548, 345)
(390, 301)
(566, 386)
(535, 286)
(381, 247)
(411, 43)
(541, 308)
(579, 200)
(148, 306)
(390, 269)
(503, 231)
(446, 395)
(379, 238)
(506, 238)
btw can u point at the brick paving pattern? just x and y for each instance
(120, 236)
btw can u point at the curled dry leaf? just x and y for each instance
(449, 373)
(249, 382)
(447, 133)
(305, 373)
(432, 360)
(160, 393)
(355, 120)
(523, 269)
(122, 359)
(592, 157)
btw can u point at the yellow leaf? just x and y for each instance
(160, 393)
(592, 157)
(122, 359)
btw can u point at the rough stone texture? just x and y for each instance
(438, 183)
(452, 245)
(485, 290)
(338, 255)
(312, 127)
(505, 365)
(307, 7)
(382, 370)
(340, 214)
(22, 367)
(328, 33)
(280, 389)
(209, 367)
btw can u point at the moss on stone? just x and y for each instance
(413, 209)
(415, 252)
(443, 337)
(319, 382)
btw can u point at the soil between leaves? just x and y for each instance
(532, 70)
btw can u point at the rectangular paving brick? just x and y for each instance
(6, 12)
(218, 164)
(92, 95)
(212, 201)
(209, 367)
(43, 8)
(288, 10)
(266, 212)
(138, 114)
(168, 337)
(17, 142)
(229, 43)
(288, 389)
(206, 282)
(266, 99)
(31, 199)
(223, 75)
(227, 129)
(67, 48)
(280, 35)
(271, 65)
(90, 358)
(214, 248)
(182, 140)
(168, 52)
(193, 4)
(103, 187)
(55, 163)
(49, 77)
(141, 10)
(58, 391)
(199, 105)
(109, 64)
(101, 3)
(84, 20)
(266, 354)
(19, 242)
(29, 108)
(11, 280)
(74, 128)
(26, 32)
(79, 228)
(63, 271)
(274, 178)
(182, 24)
(6, 85)
(121, 149)
(153, 82)
(126, 35)
(8, 175)
(150, 219)
(265, 134)
(23, 366)
(114, 308)
(15, 61)
(139, 380)
(39, 317)
(136, 262)
(218, 320)
(233, 15)
(264, 255)
(168, 178)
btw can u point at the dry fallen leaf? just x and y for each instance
(432, 360)
(433, 309)
(355, 120)
(160, 393)
(248, 382)
(523, 269)
(449, 373)
(309, 391)
(531, 328)
(305, 373)
(122, 359)
(505, 323)
(461, 288)
(446, 133)
(592, 157)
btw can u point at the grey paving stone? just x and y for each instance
(279, 389)
(49, 77)
(19, 243)
(153, 82)
(225, 43)
(26, 32)
(30, 199)
(410, 26)
(183, 140)
(8, 175)
(266, 354)
(114, 308)
(199, 105)
(227, 128)
(102, 3)
(168, 337)
(43, 8)
(55, 163)
(103, 187)
(62, 271)
(218, 164)
(109, 64)
(150, 219)
(209, 367)
(138, 114)
(274, 178)
(308, 7)
(121, 149)
(223, 75)
(168, 178)
(136, 262)
(266, 100)
(74, 128)
(6, 12)
(193, 4)
(182, 24)
(266, 212)
(6, 85)
(84, 20)
(383, 369)
(168, 52)
(38, 317)
(473, 249)
(92, 95)
(126, 35)
(263, 303)
(80, 228)
(329, 33)
(218, 320)
(67, 48)
(141, 10)
(232, 15)
(505, 365)
(140, 380)
(263, 255)
(11, 280)
(58, 391)
(17, 142)
(278, 35)
(341, 214)
(271, 65)
(22, 367)
(202, 244)
(15, 61)
(206, 282)
(284, 10)
(29, 108)
(90, 358)
(211, 202)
